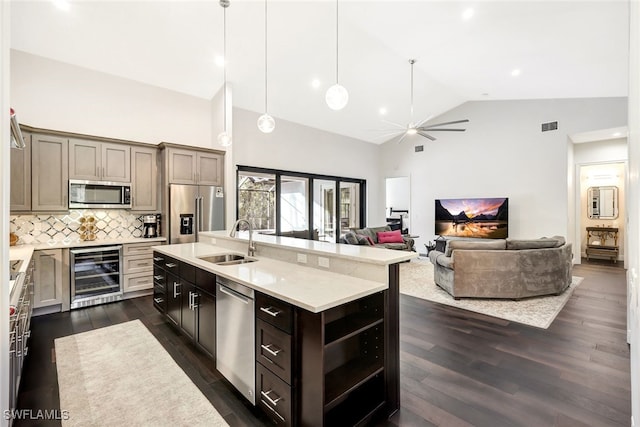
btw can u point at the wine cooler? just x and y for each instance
(96, 276)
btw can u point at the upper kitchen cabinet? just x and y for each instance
(49, 173)
(187, 166)
(99, 161)
(144, 179)
(21, 177)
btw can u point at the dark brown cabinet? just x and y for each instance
(275, 359)
(186, 295)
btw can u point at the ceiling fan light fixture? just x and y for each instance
(411, 130)
(337, 97)
(266, 123)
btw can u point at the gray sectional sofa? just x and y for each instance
(503, 268)
(356, 237)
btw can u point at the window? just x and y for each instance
(285, 203)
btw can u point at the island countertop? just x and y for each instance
(365, 254)
(305, 287)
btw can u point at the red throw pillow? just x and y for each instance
(390, 237)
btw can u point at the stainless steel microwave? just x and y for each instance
(99, 194)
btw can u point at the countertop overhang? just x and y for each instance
(305, 287)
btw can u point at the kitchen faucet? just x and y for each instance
(251, 251)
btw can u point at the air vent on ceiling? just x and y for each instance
(419, 148)
(549, 126)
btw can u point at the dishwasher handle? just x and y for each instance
(233, 294)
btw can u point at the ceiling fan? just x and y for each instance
(420, 128)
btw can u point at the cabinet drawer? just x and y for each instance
(138, 249)
(273, 311)
(137, 264)
(273, 396)
(206, 281)
(138, 282)
(273, 349)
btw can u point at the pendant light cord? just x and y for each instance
(337, 47)
(224, 71)
(265, 57)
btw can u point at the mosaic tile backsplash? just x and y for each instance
(64, 227)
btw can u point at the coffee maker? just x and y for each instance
(151, 225)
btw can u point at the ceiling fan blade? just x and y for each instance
(445, 129)
(395, 124)
(426, 136)
(447, 123)
(402, 137)
(424, 121)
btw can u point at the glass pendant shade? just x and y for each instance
(337, 97)
(266, 123)
(224, 139)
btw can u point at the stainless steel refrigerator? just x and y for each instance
(194, 208)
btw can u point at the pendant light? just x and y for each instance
(337, 96)
(224, 137)
(265, 122)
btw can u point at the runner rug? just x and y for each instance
(122, 376)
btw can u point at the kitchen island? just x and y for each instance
(326, 325)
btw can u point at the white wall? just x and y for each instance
(4, 206)
(503, 153)
(633, 207)
(54, 95)
(300, 148)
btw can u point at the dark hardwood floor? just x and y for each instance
(458, 368)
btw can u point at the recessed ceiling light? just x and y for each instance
(467, 14)
(315, 83)
(220, 61)
(62, 4)
(382, 111)
(516, 72)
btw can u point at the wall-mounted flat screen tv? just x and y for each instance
(481, 218)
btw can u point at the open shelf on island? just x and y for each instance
(348, 326)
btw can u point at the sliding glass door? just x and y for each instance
(301, 205)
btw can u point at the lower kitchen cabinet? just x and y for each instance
(48, 278)
(137, 259)
(186, 295)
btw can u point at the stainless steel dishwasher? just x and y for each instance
(235, 336)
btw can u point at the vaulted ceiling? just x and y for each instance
(465, 50)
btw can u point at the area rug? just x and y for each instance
(416, 279)
(121, 375)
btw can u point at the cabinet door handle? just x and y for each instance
(172, 264)
(268, 349)
(176, 292)
(273, 402)
(270, 311)
(195, 303)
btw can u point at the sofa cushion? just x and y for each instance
(397, 246)
(350, 238)
(542, 243)
(497, 244)
(390, 237)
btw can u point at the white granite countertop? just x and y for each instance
(97, 242)
(366, 254)
(311, 289)
(24, 254)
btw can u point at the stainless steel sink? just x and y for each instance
(228, 259)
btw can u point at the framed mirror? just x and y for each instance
(602, 202)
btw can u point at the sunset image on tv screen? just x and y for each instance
(484, 218)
